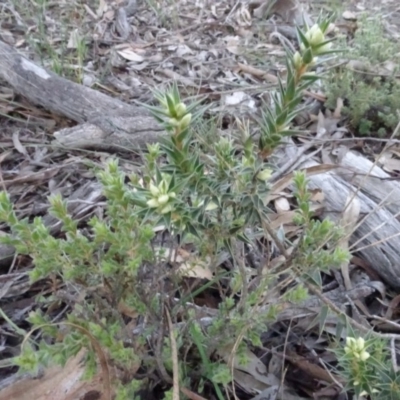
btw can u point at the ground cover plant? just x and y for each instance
(211, 199)
(191, 225)
(369, 83)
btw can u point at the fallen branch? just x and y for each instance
(108, 123)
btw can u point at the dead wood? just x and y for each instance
(123, 134)
(377, 238)
(108, 120)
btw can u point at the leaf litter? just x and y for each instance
(232, 53)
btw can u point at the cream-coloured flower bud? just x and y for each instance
(180, 110)
(364, 355)
(350, 342)
(211, 206)
(360, 344)
(297, 60)
(317, 38)
(152, 203)
(154, 190)
(185, 121)
(172, 195)
(163, 199)
(265, 174)
(173, 122)
(315, 28)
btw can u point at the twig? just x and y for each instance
(335, 308)
(174, 356)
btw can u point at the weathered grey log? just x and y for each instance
(116, 119)
(123, 134)
(372, 180)
(378, 236)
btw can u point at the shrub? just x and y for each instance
(371, 93)
(206, 197)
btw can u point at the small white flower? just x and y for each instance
(297, 59)
(180, 110)
(360, 344)
(211, 206)
(314, 35)
(173, 122)
(264, 174)
(364, 355)
(163, 199)
(154, 190)
(185, 121)
(152, 203)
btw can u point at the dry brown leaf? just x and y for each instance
(317, 195)
(259, 73)
(130, 55)
(392, 306)
(286, 180)
(196, 269)
(348, 223)
(121, 24)
(254, 376)
(57, 384)
(102, 8)
(191, 395)
(389, 163)
(17, 144)
(285, 219)
(349, 15)
(233, 45)
(313, 370)
(190, 266)
(6, 155)
(281, 205)
(74, 39)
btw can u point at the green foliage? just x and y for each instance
(366, 366)
(371, 92)
(316, 249)
(209, 193)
